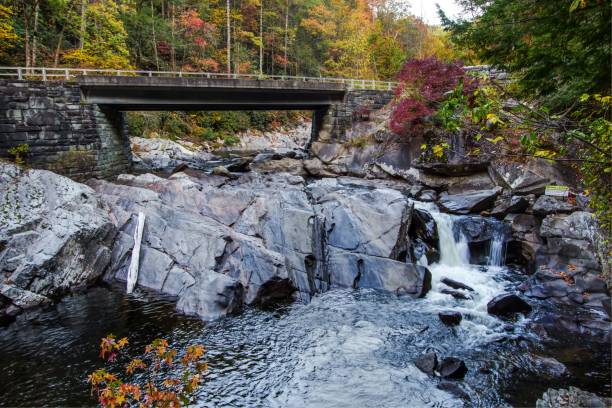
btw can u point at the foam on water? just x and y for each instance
(487, 281)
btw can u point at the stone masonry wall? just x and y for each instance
(331, 125)
(70, 138)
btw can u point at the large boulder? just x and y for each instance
(183, 239)
(349, 269)
(423, 235)
(578, 225)
(507, 304)
(468, 202)
(363, 220)
(572, 397)
(546, 205)
(510, 204)
(54, 236)
(529, 177)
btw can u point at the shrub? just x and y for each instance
(161, 387)
(19, 153)
(423, 85)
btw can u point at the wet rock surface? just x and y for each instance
(450, 318)
(507, 304)
(452, 367)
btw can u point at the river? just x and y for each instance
(345, 348)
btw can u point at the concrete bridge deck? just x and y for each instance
(128, 93)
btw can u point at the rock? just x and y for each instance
(211, 296)
(427, 363)
(454, 389)
(55, 236)
(468, 202)
(505, 205)
(546, 205)
(423, 235)
(455, 284)
(550, 366)
(316, 168)
(572, 397)
(607, 306)
(450, 318)
(349, 269)
(456, 294)
(530, 177)
(280, 141)
(452, 367)
(427, 195)
(453, 169)
(222, 171)
(507, 304)
(454, 185)
(165, 154)
(577, 225)
(592, 327)
(285, 165)
(364, 220)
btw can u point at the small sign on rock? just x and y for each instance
(557, 191)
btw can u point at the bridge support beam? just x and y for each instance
(63, 135)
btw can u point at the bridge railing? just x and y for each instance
(71, 74)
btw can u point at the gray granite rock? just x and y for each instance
(468, 202)
(54, 235)
(572, 397)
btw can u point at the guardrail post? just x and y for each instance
(19, 74)
(150, 73)
(180, 74)
(66, 75)
(44, 74)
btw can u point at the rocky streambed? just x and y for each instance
(419, 289)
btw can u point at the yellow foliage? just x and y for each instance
(8, 37)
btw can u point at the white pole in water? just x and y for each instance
(132, 275)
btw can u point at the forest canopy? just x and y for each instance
(366, 39)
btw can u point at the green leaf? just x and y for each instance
(574, 5)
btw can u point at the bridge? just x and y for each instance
(73, 122)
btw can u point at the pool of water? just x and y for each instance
(344, 349)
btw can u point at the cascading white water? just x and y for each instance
(455, 264)
(453, 251)
(496, 251)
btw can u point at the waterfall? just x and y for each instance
(454, 249)
(496, 250)
(455, 264)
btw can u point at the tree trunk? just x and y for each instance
(58, 48)
(229, 46)
(83, 24)
(26, 26)
(154, 40)
(260, 37)
(34, 36)
(286, 35)
(172, 49)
